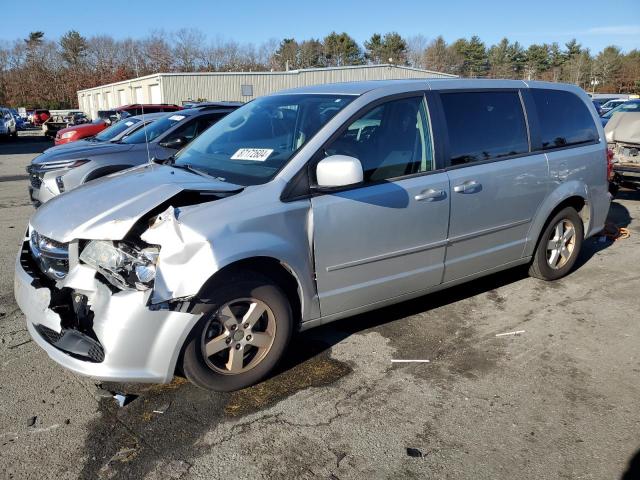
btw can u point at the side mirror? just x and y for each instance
(338, 171)
(174, 144)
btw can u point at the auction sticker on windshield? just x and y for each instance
(177, 118)
(254, 154)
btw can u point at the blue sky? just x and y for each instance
(595, 24)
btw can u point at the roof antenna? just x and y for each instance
(144, 125)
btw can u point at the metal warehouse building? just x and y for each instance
(233, 86)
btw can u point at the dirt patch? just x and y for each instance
(165, 423)
(317, 372)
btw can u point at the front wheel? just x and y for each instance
(559, 246)
(243, 333)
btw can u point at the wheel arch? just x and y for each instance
(281, 273)
(570, 194)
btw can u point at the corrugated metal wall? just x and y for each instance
(180, 87)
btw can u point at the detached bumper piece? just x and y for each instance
(74, 343)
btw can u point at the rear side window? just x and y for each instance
(484, 126)
(564, 119)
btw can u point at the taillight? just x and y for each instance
(609, 164)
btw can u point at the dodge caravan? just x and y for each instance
(304, 207)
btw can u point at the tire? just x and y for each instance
(554, 263)
(222, 322)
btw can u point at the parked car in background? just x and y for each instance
(77, 118)
(58, 171)
(8, 126)
(108, 117)
(611, 104)
(114, 133)
(60, 122)
(124, 111)
(40, 116)
(623, 137)
(628, 106)
(20, 122)
(78, 132)
(304, 207)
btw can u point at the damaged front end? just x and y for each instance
(105, 307)
(87, 324)
(623, 139)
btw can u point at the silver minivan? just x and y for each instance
(304, 207)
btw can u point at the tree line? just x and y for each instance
(40, 72)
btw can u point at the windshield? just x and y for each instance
(152, 131)
(625, 107)
(115, 130)
(250, 145)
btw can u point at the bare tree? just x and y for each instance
(187, 49)
(416, 45)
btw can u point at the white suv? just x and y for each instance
(7, 123)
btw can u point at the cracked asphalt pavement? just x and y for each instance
(560, 400)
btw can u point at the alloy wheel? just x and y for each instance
(239, 336)
(561, 245)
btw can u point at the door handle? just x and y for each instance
(429, 194)
(470, 186)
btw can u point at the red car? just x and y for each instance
(40, 116)
(78, 132)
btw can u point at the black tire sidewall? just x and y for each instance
(543, 267)
(193, 362)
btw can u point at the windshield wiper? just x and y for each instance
(188, 167)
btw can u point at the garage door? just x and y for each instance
(154, 93)
(138, 94)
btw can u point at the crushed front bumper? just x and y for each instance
(627, 174)
(133, 342)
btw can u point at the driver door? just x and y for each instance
(386, 237)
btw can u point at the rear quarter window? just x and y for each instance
(564, 119)
(484, 125)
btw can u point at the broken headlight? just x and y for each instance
(122, 264)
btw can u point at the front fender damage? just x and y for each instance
(185, 261)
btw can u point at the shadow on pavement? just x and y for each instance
(618, 216)
(25, 144)
(633, 469)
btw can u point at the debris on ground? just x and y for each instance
(414, 452)
(612, 232)
(32, 421)
(103, 392)
(517, 332)
(394, 360)
(124, 399)
(162, 408)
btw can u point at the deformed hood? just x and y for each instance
(107, 208)
(623, 127)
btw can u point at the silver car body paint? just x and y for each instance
(349, 252)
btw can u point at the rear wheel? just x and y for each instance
(242, 335)
(559, 246)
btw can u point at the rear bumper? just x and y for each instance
(137, 344)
